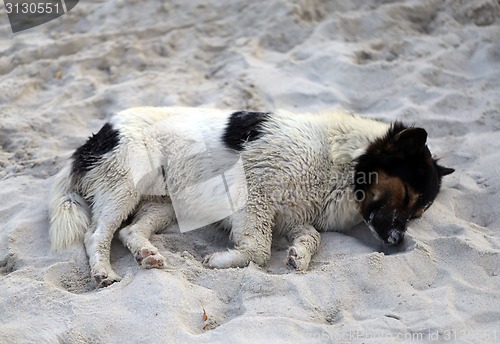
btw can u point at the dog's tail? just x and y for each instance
(69, 212)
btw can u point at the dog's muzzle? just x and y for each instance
(395, 237)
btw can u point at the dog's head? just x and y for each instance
(396, 180)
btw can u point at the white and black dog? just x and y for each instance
(250, 172)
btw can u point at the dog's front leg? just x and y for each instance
(305, 242)
(252, 235)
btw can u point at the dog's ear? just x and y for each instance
(444, 171)
(410, 141)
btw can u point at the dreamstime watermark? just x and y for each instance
(26, 14)
(199, 175)
(434, 335)
(202, 176)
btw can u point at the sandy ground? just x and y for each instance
(435, 63)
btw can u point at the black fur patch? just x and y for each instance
(243, 127)
(417, 169)
(88, 155)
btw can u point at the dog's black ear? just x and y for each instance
(410, 141)
(444, 171)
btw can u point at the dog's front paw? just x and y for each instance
(297, 260)
(228, 259)
(103, 279)
(150, 259)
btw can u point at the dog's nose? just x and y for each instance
(395, 237)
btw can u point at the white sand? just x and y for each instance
(430, 62)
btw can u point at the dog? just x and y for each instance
(253, 173)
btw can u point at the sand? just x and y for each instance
(435, 63)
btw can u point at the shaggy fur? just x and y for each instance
(253, 173)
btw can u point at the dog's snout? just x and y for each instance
(395, 237)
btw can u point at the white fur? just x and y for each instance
(69, 213)
(295, 179)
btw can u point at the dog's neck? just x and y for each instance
(350, 136)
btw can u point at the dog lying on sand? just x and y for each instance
(253, 173)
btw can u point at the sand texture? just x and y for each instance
(435, 63)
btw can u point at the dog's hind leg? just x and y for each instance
(109, 211)
(151, 217)
(305, 242)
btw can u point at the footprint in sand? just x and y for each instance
(70, 277)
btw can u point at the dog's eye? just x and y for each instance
(407, 196)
